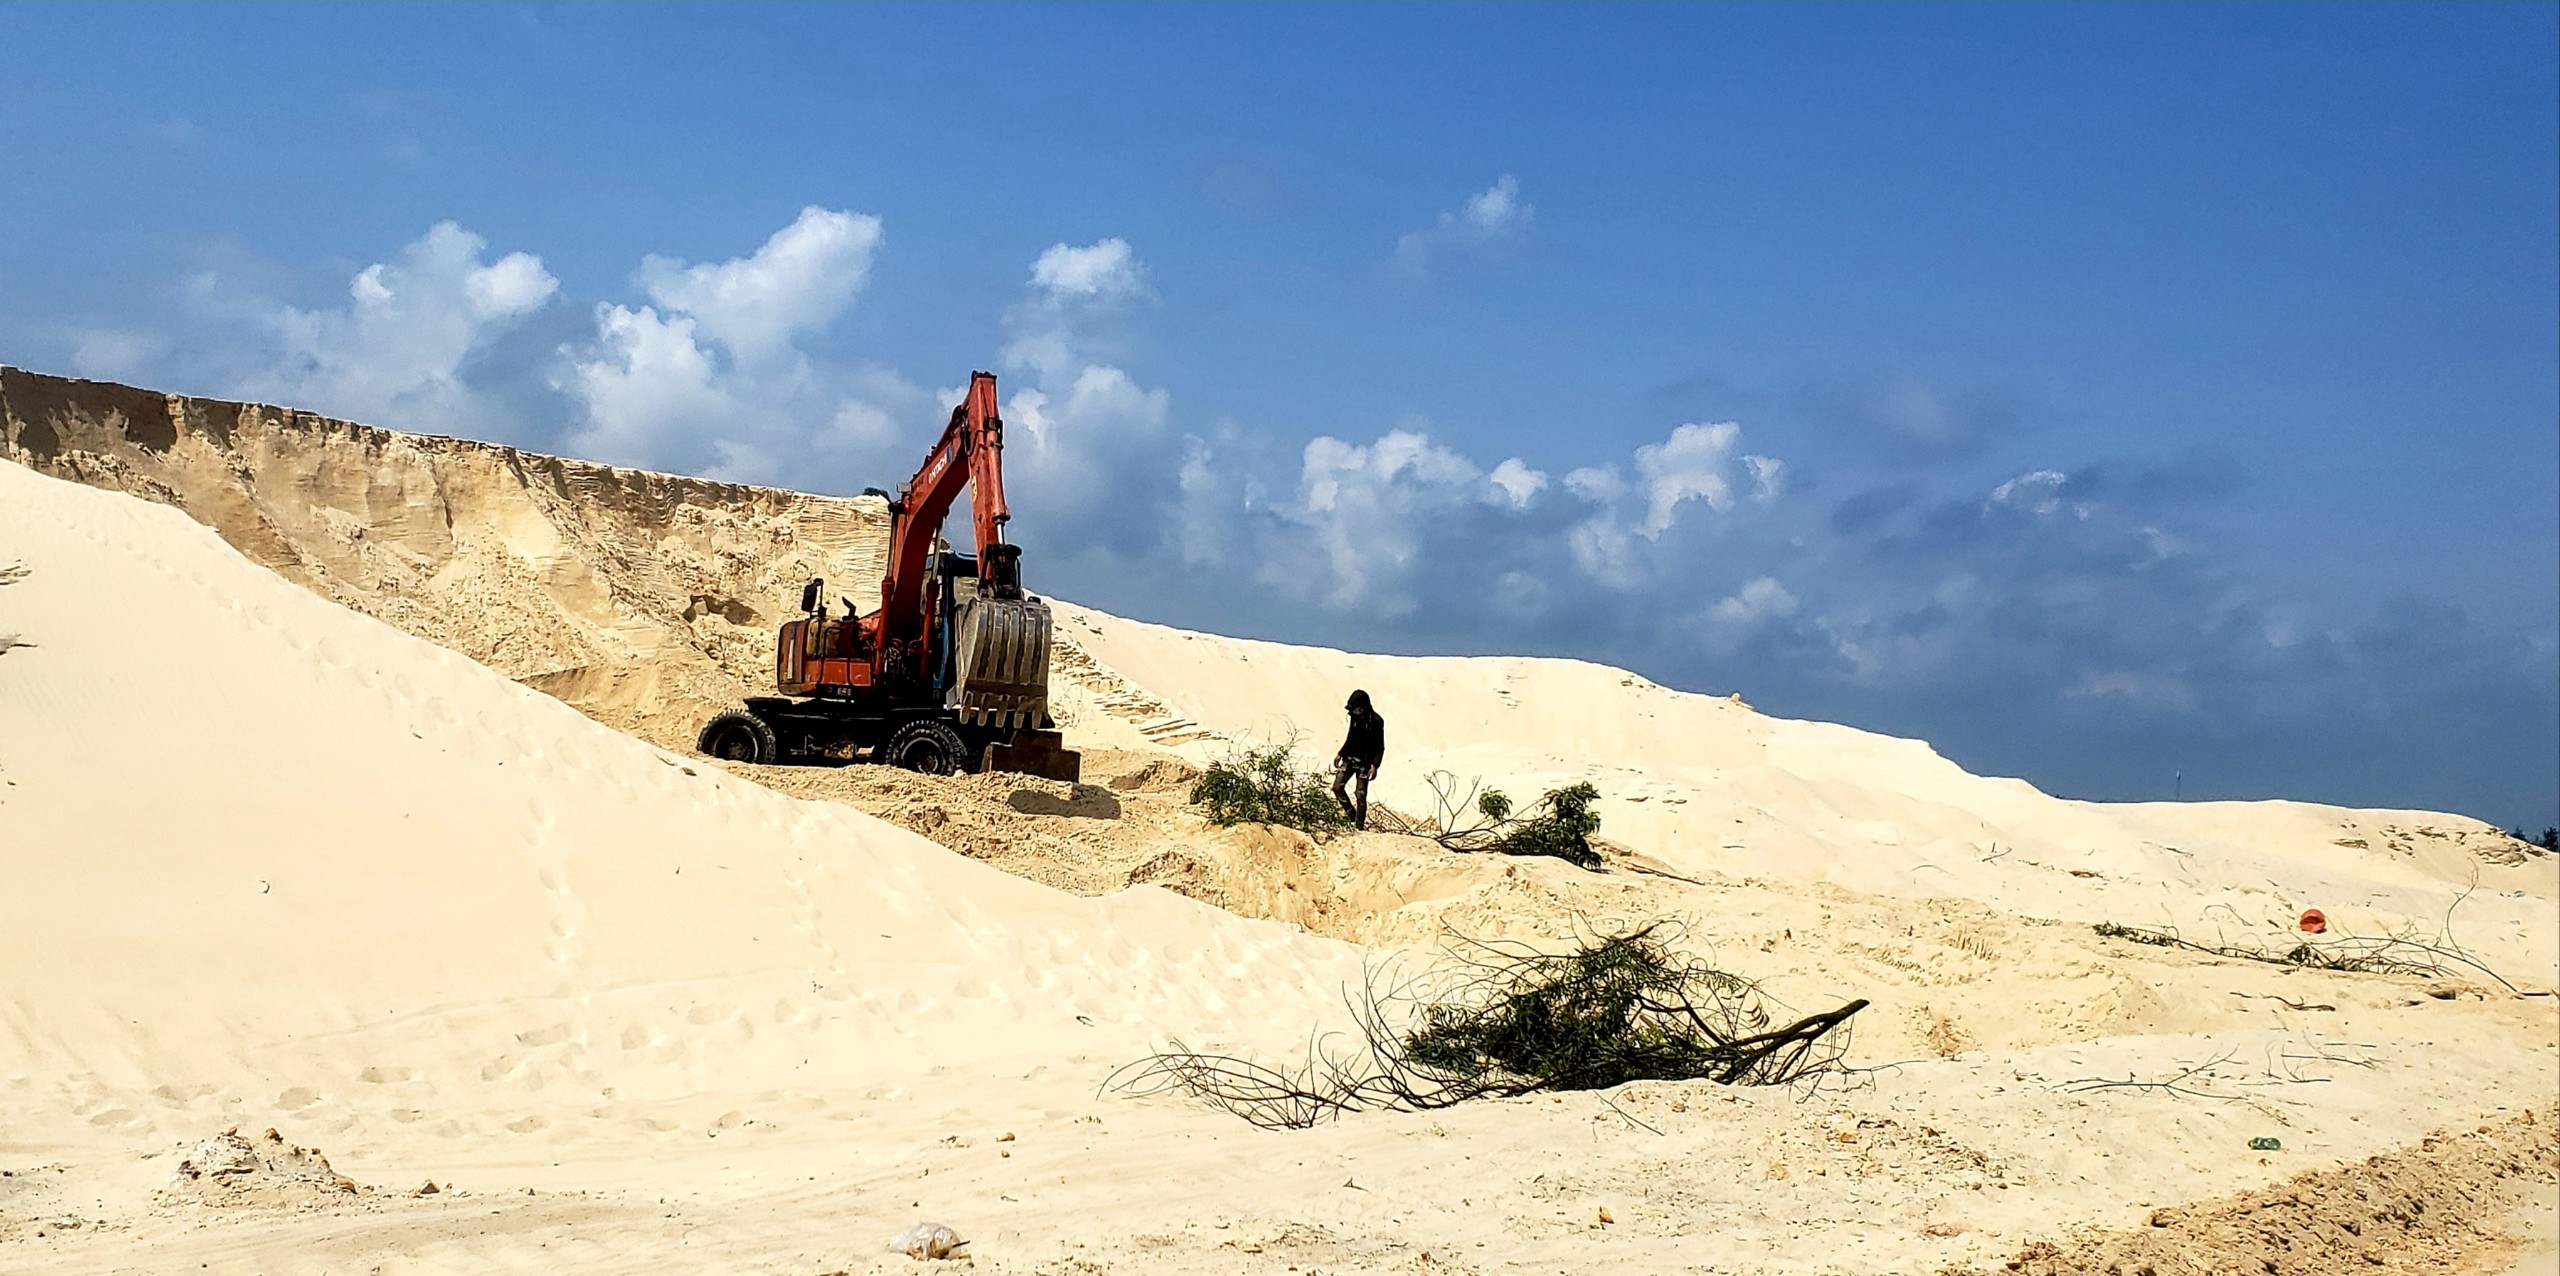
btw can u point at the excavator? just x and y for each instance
(951, 673)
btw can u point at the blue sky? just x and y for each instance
(2099, 393)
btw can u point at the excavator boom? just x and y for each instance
(969, 455)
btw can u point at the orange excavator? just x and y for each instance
(951, 673)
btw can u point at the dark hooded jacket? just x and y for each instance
(1366, 744)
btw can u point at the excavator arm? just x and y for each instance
(969, 455)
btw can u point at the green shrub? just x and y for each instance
(1512, 1018)
(1560, 825)
(1618, 1008)
(1264, 786)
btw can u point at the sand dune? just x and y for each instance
(1709, 785)
(274, 862)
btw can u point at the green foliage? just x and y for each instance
(1560, 825)
(1619, 1008)
(1264, 786)
(1513, 1018)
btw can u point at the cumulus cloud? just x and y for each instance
(709, 380)
(643, 382)
(1760, 598)
(799, 280)
(1085, 440)
(1107, 268)
(1377, 527)
(394, 352)
(2037, 492)
(1490, 215)
(1518, 484)
(1696, 463)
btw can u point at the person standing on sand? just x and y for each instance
(1356, 763)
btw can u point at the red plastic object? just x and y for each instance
(2313, 923)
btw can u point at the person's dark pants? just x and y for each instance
(1355, 803)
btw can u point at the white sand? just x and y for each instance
(1706, 784)
(272, 863)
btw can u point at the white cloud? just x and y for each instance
(392, 355)
(708, 381)
(1106, 268)
(1366, 509)
(513, 285)
(1492, 214)
(1363, 521)
(1517, 484)
(645, 380)
(2038, 492)
(1595, 483)
(1063, 322)
(1760, 598)
(1087, 441)
(1497, 210)
(1768, 477)
(1613, 545)
(1605, 553)
(802, 277)
(1686, 466)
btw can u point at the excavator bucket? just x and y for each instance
(1041, 753)
(1000, 662)
(1000, 679)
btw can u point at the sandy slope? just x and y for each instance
(646, 599)
(273, 863)
(1707, 784)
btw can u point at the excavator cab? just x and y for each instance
(816, 655)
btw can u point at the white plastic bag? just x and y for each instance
(927, 1240)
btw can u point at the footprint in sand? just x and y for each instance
(551, 1036)
(297, 1098)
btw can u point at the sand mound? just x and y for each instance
(230, 1171)
(2419, 1211)
(646, 598)
(462, 882)
(1706, 786)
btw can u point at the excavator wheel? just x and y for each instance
(739, 736)
(929, 745)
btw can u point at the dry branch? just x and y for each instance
(1619, 1007)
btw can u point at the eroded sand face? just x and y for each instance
(275, 864)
